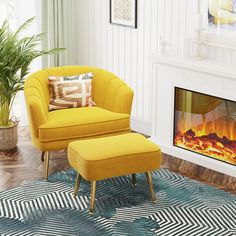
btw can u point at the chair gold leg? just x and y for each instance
(149, 180)
(92, 200)
(46, 156)
(134, 179)
(77, 183)
(42, 156)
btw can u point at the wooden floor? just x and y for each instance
(24, 164)
(200, 173)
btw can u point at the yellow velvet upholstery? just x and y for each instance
(97, 159)
(54, 130)
(82, 122)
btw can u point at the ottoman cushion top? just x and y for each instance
(101, 158)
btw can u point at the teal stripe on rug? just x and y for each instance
(185, 208)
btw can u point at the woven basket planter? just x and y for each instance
(8, 137)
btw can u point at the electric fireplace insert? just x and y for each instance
(205, 124)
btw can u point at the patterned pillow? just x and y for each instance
(70, 91)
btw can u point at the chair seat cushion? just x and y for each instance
(102, 158)
(82, 122)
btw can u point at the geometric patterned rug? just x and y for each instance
(185, 208)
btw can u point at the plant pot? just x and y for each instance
(9, 136)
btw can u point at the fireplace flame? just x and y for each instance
(211, 145)
(205, 124)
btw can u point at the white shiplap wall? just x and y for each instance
(125, 51)
(220, 54)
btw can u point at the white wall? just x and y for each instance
(220, 54)
(125, 51)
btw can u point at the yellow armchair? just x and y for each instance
(54, 130)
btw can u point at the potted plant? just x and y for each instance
(16, 55)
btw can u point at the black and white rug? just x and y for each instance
(184, 208)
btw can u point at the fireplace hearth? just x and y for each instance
(205, 124)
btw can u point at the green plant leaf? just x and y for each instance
(16, 55)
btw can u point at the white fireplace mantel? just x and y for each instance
(198, 65)
(204, 76)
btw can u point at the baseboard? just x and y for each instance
(141, 126)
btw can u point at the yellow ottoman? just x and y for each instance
(102, 158)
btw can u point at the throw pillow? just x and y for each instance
(70, 91)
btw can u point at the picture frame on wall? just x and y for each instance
(124, 12)
(219, 22)
(222, 15)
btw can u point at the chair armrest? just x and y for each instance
(123, 100)
(36, 114)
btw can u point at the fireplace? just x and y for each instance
(193, 100)
(205, 125)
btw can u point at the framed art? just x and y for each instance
(222, 15)
(219, 22)
(123, 12)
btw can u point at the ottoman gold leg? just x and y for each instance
(134, 180)
(149, 180)
(46, 164)
(77, 183)
(92, 200)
